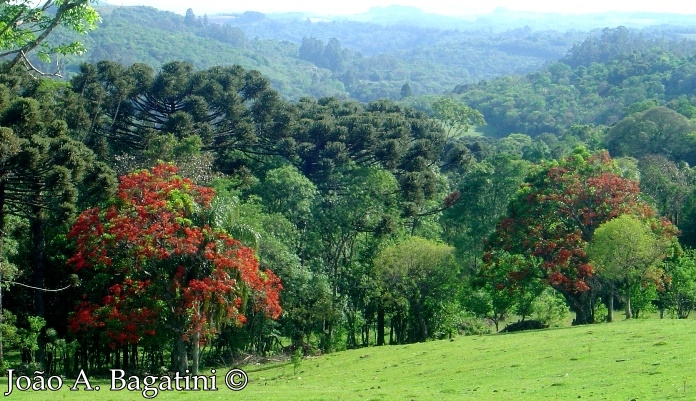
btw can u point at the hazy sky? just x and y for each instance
(445, 7)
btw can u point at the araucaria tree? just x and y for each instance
(554, 215)
(156, 271)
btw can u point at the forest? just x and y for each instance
(164, 216)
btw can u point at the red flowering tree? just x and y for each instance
(166, 272)
(554, 215)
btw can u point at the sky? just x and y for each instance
(444, 7)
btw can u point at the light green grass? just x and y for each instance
(641, 359)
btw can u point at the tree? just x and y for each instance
(406, 91)
(679, 293)
(155, 268)
(25, 25)
(312, 50)
(486, 187)
(190, 18)
(554, 215)
(455, 116)
(417, 277)
(512, 283)
(668, 184)
(626, 250)
(657, 131)
(335, 56)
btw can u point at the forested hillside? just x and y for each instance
(599, 81)
(158, 213)
(323, 59)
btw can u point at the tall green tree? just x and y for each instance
(668, 183)
(455, 116)
(657, 131)
(418, 278)
(679, 294)
(485, 190)
(626, 250)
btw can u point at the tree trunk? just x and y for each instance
(391, 331)
(366, 337)
(37, 238)
(179, 357)
(582, 304)
(380, 326)
(610, 309)
(126, 360)
(610, 312)
(628, 304)
(196, 351)
(423, 329)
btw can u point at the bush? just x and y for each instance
(600, 312)
(456, 320)
(550, 309)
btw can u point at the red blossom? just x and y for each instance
(149, 239)
(556, 213)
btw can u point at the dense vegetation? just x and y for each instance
(338, 58)
(195, 214)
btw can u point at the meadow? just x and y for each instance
(644, 359)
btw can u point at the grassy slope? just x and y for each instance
(643, 360)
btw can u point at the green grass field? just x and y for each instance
(628, 360)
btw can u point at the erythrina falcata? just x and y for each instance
(165, 270)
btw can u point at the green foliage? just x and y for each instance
(28, 341)
(417, 278)
(455, 116)
(643, 298)
(551, 309)
(285, 190)
(25, 26)
(338, 197)
(455, 320)
(178, 112)
(679, 294)
(599, 82)
(488, 303)
(600, 312)
(625, 247)
(485, 190)
(628, 250)
(10, 332)
(656, 131)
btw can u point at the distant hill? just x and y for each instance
(365, 57)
